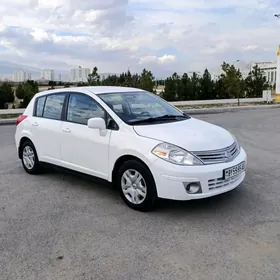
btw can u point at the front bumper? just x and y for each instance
(171, 179)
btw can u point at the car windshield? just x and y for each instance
(141, 107)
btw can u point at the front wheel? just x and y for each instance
(136, 185)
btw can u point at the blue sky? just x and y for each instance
(162, 35)
(69, 33)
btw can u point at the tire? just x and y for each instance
(34, 168)
(134, 197)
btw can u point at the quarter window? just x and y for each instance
(82, 107)
(53, 106)
(40, 106)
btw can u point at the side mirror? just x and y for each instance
(96, 123)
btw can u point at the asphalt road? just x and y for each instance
(61, 226)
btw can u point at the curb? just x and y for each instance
(228, 109)
(8, 122)
(192, 111)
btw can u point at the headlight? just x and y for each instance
(237, 143)
(238, 146)
(176, 155)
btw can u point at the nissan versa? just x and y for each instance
(132, 138)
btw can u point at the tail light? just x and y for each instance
(20, 119)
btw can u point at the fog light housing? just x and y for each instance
(193, 188)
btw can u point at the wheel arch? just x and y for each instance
(21, 142)
(121, 160)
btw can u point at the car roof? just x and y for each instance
(92, 89)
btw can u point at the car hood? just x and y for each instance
(191, 134)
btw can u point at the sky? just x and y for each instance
(160, 35)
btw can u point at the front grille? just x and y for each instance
(220, 182)
(219, 156)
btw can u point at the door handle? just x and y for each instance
(35, 124)
(68, 130)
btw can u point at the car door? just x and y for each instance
(46, 126)
(84, 149)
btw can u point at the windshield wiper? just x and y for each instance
(160, 118)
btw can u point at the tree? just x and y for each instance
(255, 83)
(6, 95)
(28, 94)
(26, 91)
(172, 86)
(160, 82)
(20, 91)
(125, 79)
(218, 88)
(81, 84)
(34, 85)
(111, 80)
(52, 84)
(194, 90)
(147, 81)
(232, 81)
(206, 87)
(135, 81)
(94, 78)
(183, 88)
(128, 79)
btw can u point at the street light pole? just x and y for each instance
(238, 98)
(277, 89)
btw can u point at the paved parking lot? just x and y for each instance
(60, 226)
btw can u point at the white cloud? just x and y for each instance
(39, 34)
(250, 47)
(167, 59)
(166, 36)
(159, 60)
(218, 48)
(2, 27)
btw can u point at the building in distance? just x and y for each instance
(269, 70)
(79, 74)
(48, 74)
(21, 76)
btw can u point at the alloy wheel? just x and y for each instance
(28, 157)
(133, 186)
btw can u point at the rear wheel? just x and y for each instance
(136, 185)
(29, 158)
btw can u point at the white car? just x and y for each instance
(132, 138)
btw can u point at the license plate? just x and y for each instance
(234, 170)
